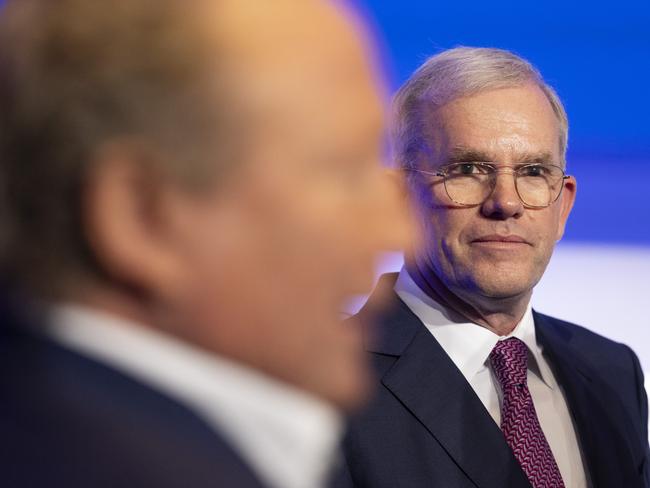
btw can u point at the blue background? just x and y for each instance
(596, 55)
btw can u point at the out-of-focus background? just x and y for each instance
(597, 55)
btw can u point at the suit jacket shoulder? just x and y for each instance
(592, 346)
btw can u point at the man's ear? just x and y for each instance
(566, 202)
(124, 218)
(398, 180)
(407, 223)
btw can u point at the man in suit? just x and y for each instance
(190, 191)
(476, 389)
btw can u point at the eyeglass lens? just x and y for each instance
(471, 183)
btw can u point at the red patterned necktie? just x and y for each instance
(519, 421)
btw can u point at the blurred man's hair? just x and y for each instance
(78, 74)
(457, 73)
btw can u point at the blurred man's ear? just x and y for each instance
(125, 219)
(405, 224)
(398, 180)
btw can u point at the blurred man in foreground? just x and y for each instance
(191, 190)
(479, 390)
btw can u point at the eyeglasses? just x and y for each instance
(471, 183)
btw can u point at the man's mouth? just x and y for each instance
(502, 241)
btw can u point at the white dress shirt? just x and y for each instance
(469, 346)
(288, 437)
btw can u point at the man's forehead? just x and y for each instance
(282, 28)
(491, 104)
(298, 58)
(517, 123)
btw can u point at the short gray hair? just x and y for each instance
(456, 73)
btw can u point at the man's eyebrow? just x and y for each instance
(536, 158)
(462, 154)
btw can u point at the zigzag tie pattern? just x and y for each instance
(519, 421)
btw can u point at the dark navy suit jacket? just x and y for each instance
(68, 421)
(426, 427)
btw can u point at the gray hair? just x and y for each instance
(456, 73)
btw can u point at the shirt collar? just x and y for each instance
(469, 345)
(288, 437)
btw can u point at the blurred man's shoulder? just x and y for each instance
(69, 418)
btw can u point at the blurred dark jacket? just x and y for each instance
(69, 421)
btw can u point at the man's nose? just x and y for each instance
(504, 201)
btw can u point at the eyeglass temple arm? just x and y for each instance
(425, 172)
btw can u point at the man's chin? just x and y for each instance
(503, 291)
(349, 388)
(347, 378)
(501, 282)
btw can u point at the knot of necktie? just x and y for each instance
(510, 362)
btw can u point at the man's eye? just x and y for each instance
(536, 170)
(462, 169)
(467, 169)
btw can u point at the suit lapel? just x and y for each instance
(605, 432)
(432, 389)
